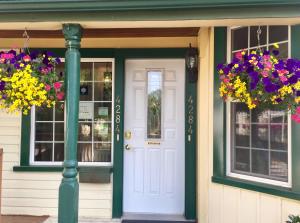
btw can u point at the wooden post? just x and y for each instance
(69, 187)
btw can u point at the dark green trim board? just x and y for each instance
(119, 5)
(219, 132)
(142, 10)
(190, 147)
(220, 45)
(25, 140)
(117, 209)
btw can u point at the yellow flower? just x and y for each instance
(276, 45)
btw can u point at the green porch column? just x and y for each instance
(68, 190)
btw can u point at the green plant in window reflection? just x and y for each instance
(107, 85)
(154, 114)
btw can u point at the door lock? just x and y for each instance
(127, 147)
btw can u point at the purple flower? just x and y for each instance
(275, 74)
(260, 65)
(2, 85)
(226, 70)
(278, 100)
(220, 66)
(254, 80)
(297, 93)
(275, 52)
(57, 60)
(266, 52)
(293, 79)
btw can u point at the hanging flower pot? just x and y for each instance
(261, 79)
(29, 79)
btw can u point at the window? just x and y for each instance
(95, 120)
(258, 141)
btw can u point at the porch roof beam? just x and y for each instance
(108, 33)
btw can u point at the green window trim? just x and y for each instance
(219, 129)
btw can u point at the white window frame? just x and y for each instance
(32, 124)
(229, 173)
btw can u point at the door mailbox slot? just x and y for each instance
(153, 143)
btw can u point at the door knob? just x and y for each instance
(127, 147)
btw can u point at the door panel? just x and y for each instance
(154, 117)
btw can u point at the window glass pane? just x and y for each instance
(102, 152)
(260, 134)
(278, 34)
(43, 152)
(44, 114)
(242, 159)
(86, 71)
(59, 152)
(242, 135)
(43, 131)
(102, 131)
(278, 116)
(154, 105)
(279, 165)
(85, 132)
(103, 91)
(260, 162)
(239, 38)
(85, 152)
(102, 111)
(86, 91)
(103, 72)
(260, 116)
(59, 131)
(278, 136)
(283, 50)
(59, 111)
(253, 36)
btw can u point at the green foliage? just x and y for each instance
(293, 219)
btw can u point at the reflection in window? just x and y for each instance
(154, 104)
(259, 142)
(95, 119)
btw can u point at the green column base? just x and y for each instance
(68, 201)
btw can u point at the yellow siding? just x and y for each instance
(218, 203)
(36, 193)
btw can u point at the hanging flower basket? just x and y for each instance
(29, 79)
(261, 79)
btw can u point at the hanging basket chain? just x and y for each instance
(258, 33)
(26, 41)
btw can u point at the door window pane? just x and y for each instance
(154, 104)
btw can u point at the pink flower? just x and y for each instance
(27, 58)
(45, 70)
(57, 85)
(7, 56)
(298, 110)
(60, 95)
(265, 73)
(296, 118)
(266, 57)
(239, 55)
(283, 78)
(226, 80)
(47, 87)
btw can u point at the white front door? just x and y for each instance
(154, 136)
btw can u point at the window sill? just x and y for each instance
(103, 169)
(258, 187)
